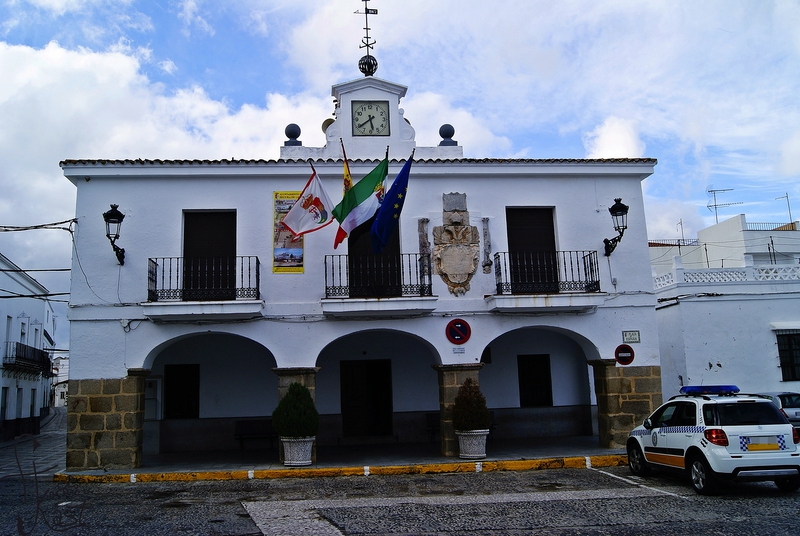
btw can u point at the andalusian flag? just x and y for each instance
(360, 202)
(388, 217)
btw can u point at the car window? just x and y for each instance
(663, 416)
(685, 415)
(790, 401)
(741, 413)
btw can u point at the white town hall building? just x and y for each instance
(497, 271)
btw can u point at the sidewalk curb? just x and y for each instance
(575, 462)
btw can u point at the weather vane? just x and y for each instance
(367, 64)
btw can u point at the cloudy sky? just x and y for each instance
(711, 89)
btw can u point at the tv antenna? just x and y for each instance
(786, 196)
(367, 64)
(717, 205)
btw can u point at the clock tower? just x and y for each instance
(367, 118)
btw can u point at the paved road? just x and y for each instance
(558, 502)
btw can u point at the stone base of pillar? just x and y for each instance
(625, 396)
(104, 422)
(451, 377)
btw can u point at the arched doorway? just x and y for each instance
(199, 385)
(537, 383)
(376, 386)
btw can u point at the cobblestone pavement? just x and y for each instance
(567, 502)
(43, 454)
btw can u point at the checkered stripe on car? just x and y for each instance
(671, 430)
(684, 429)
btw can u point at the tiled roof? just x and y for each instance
(239, 162)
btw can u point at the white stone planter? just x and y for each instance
(297, 450)
(472, 444)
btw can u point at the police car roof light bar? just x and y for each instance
(709, 390)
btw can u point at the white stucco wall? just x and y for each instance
(110, 333)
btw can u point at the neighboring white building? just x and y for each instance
(729, 307)
(498, 267)
(28, 331)
(61, 372)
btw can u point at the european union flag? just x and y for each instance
(388, 216)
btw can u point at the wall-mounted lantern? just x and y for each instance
(113, 220)
(619, 214)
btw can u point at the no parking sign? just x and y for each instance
(458, 331)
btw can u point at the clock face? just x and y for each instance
(370, 118)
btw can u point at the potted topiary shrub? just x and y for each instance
(296, 422)
(471, 420)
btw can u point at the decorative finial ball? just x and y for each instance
(447, 131)
(368, 65)
(292, 131)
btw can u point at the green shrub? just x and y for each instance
(296, 415)
(470, 411)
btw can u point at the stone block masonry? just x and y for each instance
(104, 422)
(625, 396)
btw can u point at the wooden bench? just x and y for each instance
(260, 428)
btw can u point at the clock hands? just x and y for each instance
(372, 126)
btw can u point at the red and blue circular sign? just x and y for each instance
(624, 354)
(458, 331)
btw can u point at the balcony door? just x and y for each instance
(532, 250)
(370, 275)
(209, 255)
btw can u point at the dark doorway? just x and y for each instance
(366, 393)
(370, 275)
(209, 255)
(181, 391)
(532, 250)
(535, 384)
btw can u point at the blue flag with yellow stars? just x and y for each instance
(388, 216)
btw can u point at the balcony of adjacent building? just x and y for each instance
(386, 285)
(207, 288)
(546, 282)
(20, 357)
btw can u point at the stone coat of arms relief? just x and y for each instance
(456, 245)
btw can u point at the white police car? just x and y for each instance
(712, 433)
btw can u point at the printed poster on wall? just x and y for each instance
(287, 256)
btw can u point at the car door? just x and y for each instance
(680, 433)
(657, 448)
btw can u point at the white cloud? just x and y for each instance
(189, 15)
(790, 156)
(168, 66)
(615, 138)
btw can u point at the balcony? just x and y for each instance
(378, 285)
(23, 358)
(210, 288)
(546, 282)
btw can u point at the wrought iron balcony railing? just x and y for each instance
(377, 276)
(546, 272)
(203, 279)
(20, 356)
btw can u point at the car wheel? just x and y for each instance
(703, 480)
(636, 462)
(788, 484)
